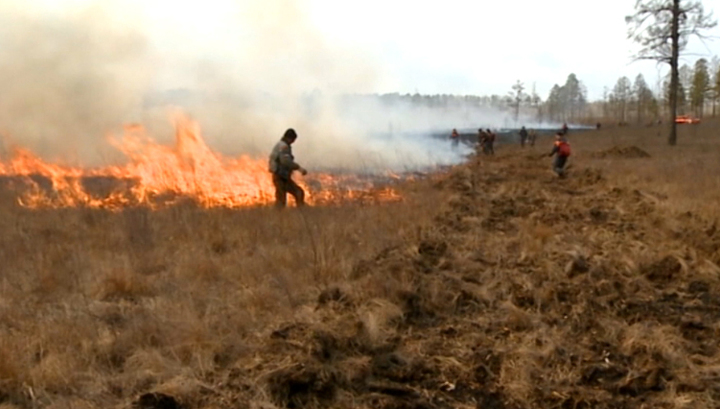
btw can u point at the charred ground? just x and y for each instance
(494, 285)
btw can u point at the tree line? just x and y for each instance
(627, 102)
(698, 94)
(662, 30)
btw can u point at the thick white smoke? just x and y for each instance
(70, 76)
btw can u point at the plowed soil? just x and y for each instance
(526, 291)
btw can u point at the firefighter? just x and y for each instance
(481, 141)
(561, 151)
(523, 136)
(484, 141)
(282, 164)
(490, 142)
(564, 129)
(455, 136)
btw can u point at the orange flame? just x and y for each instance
(159, 175)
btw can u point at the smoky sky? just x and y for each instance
(71, 77)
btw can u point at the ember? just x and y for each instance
(158, 175)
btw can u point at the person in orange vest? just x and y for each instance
(455, 136)
(561, 151)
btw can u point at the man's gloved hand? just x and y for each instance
(303, 171)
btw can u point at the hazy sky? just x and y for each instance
(453, 46)
(72, 71)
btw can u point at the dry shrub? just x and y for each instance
(11, 366)
(56, 372)
(185, 391)
(517, 376)
(72, 403)
(120, 283)
(378, 317)
(627, 152)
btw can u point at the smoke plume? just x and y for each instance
(72, 76)
(68, 78)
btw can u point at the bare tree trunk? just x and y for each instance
(672, 140)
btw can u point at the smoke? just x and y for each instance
(71, 76)
(68, 77)
(291, 75)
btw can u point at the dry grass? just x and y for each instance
(104, 306)
(688, 174)
(495, 286)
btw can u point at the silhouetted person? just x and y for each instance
(455, 137)
(490, 142)
(282, 164)
(523, 136)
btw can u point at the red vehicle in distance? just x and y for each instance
(686, 119)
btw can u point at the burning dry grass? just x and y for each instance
(157, 175)
(497, 286)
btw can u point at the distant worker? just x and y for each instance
(561, 151)
(523, 136)
(532, 137)
(490, 142)
(282, 164)
(455, 136)
(480, 141)
(564, 129)
(484, 141)
(597, 126)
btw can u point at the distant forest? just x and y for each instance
(627, 102)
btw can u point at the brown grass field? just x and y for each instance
(493, 285)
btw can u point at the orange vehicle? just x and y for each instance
(686, 119)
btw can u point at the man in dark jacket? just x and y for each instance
(282, 164)
(523, 136)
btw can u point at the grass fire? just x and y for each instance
(491, 283)
(452, 240)
(159, 175)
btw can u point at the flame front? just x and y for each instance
(158, 175)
